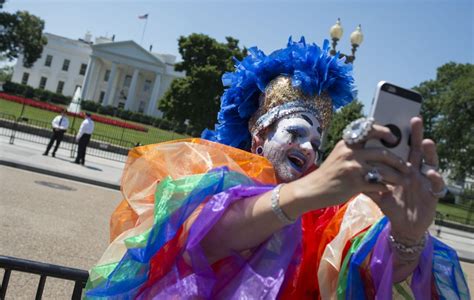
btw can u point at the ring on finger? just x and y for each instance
(373, 176)
(425, 168)
(440, 194)
(357, 130)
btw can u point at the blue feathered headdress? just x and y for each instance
(313, 70)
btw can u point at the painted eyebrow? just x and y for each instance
(307, 119)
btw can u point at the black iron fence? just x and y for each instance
(40, 132)
(44, 270)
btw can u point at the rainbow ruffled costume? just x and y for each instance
(175, 192)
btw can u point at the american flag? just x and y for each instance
(145, 16)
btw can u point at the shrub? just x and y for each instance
(29, 92)
(147, 119)
(106, 110)
(43, 95)
(13, 87)
(166, 125)
(19, 89)
(157, 122)
(125, 114)
(59, 98)
(8, 87)
(90, 105)
(180, 128)
(136, 117)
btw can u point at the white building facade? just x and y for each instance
(121, 74)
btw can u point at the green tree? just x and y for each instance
(196, 97)
(6, 73)
(340, 120)
(448, 115)
(22, 33)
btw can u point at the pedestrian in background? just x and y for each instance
(60, 124)
(83, 137)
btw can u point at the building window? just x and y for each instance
(60, 87)
(121, 105)
(66, 64)
(107, 75)
(82, 70)
(42, 82)
(48, 61)
(141, 107)
(24, 78)
(147, 85)
(101, 97)
(127, 81)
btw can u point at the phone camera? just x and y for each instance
(396, 132)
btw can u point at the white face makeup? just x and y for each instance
(292, 145)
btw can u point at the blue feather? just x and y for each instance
(311, 68)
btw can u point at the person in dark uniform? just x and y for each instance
(83, 137)
(60, 124)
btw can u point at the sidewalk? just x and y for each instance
(28, 155)
(461, 241)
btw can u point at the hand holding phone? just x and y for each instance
(393, 107)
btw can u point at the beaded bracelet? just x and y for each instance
(276, 206)
(408, 252)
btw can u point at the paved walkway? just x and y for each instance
(28, 155)
(462, 241)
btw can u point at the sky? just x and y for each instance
(404, 41)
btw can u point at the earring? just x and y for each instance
(259, 150)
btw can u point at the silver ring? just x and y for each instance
(373, 176)
(426, 167)
(440, 194)
(357, 130)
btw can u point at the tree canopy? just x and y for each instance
(196, 97)
(22, 33)
(340, 120)
(448, 114)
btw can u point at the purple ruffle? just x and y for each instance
(381, 267)
(259, 276)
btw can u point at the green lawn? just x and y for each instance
(154, 135)
(455, 212)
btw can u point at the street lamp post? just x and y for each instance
(357, 37)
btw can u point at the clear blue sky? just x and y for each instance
(404, 41)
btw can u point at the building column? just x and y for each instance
(108, 97)
(131, 90)
(154, 95)
(91, 69)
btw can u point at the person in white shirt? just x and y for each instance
(83, 137)
(60, 124)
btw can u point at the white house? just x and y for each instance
(121, 74)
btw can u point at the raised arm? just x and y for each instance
(250, 222)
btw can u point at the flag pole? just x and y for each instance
(144, 28)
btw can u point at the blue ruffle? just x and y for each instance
(312, 69)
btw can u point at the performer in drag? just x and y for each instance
(250, 212)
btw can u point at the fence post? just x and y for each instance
(121, 137)
(73, 146)
(12, 137)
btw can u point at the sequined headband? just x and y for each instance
(283, 110)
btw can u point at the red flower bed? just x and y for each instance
(56, 108)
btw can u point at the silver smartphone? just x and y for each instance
(393, 107)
